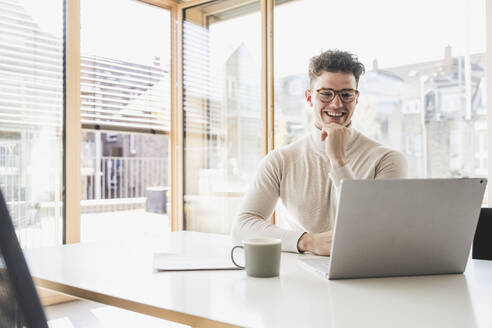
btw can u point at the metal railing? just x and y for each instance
(122, 177)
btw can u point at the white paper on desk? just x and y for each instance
(181, 262)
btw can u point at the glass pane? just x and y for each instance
(424, 88)
(125, 68)
(222, 110)
(125, 87)
(31, 118)
(125, 185)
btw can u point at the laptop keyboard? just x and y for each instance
(320, 266)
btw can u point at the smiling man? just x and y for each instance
(306, 174)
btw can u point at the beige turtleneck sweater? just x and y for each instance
(300, 174)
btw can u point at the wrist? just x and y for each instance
(305, 242)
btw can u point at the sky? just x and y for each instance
(47, 14)
(393, 32)
(135, 32)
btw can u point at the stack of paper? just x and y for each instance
(181, 262)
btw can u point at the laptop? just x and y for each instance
(19, 302)
(402, 227)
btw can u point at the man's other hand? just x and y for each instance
(336, 137)
(316, 243)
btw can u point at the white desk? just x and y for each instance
(121, 274)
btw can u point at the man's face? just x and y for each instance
(336, 110)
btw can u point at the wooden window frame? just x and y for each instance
(267, 95)
(73, 127)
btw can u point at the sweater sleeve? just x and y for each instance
(258, 204)
(392, 165)
(344, 172)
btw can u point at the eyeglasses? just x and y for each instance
(327, 95)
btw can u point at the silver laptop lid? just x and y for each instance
(404, 227)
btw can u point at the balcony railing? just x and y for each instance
(121, 181)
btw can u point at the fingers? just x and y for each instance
(333, 125)
(325, 131)
(322, 243)
(333, 128)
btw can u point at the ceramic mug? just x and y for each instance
(262, 257)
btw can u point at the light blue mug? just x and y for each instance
(262, 256)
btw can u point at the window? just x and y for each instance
(31, 118)
(411, 106)
(451, 101)
(222, 110)
(125, 115)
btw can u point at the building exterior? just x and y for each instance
(434, 112)
(242, 114)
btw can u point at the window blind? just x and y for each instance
(31, 69)
(125, 66)
(123, 95)
(201, 94)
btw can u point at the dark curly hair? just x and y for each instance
(335, 61)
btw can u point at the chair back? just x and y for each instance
(19, 301)
(482, 242)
